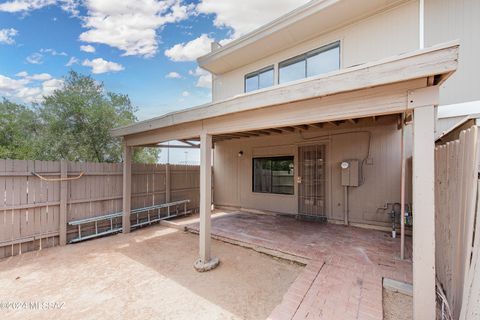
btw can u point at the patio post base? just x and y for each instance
(203, 266)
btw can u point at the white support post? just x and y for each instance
(423, 213)
(127, 187)
(205, 262)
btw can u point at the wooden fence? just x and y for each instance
(456, 205)
(34, 212)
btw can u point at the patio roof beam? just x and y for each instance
(421, 64)
(301, 127)
(353, 121)
(286, 129)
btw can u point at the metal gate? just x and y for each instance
(312, 182)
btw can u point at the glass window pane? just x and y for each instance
(266, 79)
(273, 175)
(262, 177)
(323, 62)
(251, 83)
(292, 72)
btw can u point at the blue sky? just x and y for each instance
(144, 48)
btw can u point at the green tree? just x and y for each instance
(73, 123)
(18, 131)
(76, 122)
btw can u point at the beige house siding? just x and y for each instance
(447, 20)
(382, 172)
(385, 34)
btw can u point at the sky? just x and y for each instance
(144, 48)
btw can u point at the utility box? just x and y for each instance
(350, 173)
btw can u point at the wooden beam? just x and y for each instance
(382, 100)
(424, 304)
(301, 127)
(420, 64)
(170, 146)
(205, 195)
(317, 125)
(190, 143)
(286, 129)
(127, 187)
(353, 121)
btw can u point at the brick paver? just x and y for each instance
(343, 276)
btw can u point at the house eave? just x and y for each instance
(306, 22)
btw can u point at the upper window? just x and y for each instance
(259, 79)
(273, 175)
(315, 62)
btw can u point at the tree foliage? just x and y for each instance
(73, 123)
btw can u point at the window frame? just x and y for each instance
(305, 56)
(287, 157)
(257, 74)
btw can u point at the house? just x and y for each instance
(314, 115)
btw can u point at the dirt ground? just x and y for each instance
(147, 274)
(397, 306)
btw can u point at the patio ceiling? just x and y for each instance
(339, 124)
(388, 86)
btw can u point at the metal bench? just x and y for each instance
(140, 222)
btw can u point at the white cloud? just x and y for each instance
(173, 75)
(246, 15)
(29, 88)
(130, 25)
(185, 94)
(100, 65)
(14, 6)
(88, 48)
(190, 51)
(35, 58)
(6, 35)
(53, 52)
(71, 62)
(204, 77)
(25, 5)
(34, 77)
(49, 86)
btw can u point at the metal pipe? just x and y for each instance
(402, 191)
(345, 206)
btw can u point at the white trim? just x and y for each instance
(438, 60)
(459, 109)
(421, 24)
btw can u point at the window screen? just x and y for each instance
(259, 79)
(273, 175)
(312, 63)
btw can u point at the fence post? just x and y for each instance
(167, 183)
(63, 203)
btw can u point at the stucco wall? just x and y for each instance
(447, 20)
(385, 34)
(233, 174)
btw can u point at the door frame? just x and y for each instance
(328, 172)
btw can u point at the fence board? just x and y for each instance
(456, 200)
(30, 207)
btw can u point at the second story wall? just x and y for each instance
(382, 35)
(447, 20)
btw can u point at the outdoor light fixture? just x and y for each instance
(240, 154)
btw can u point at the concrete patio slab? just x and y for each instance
(345, 265)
